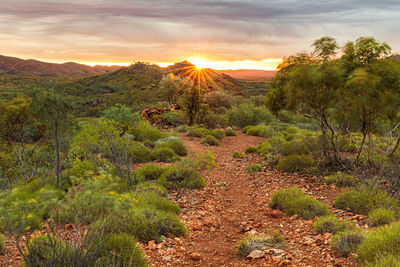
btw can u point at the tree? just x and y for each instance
(172, 87)
(325, 48)
(56, 113)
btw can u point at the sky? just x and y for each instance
(227, 33)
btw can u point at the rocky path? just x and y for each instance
(233, 205)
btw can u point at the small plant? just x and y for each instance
(330, 224)
(341, 179)
(144, 131)
(230, 132)
(271, 160)
(381, 216)
(218, 133)
(383, 240)
(149, 172)
(197, 132)
(250, 149)
(252, 169)
(165, 154)
(246, 128)
(293, 201)
(120, 250)
(174, 143)
(237, 155)
(178, 177)
(2, 244)
(347, 242)
(151, 187)
(385, 260)
(210, 140)
(294, 163)
(365, 198)
(250, 243)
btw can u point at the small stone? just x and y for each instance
(167, 258)
(152, 245)
(276, 251)
(212, 229)
(256, 254)
(195, 256)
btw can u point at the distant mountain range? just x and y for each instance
(31, 67)
(250, 74)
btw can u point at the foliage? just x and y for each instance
(237, 155)
(250, 149)
(2, 244)
(144, 131)
(249, 114)
(230, 132)
(381, 216)
(341, 179)
(165, 154)
(174, 143)
(197, 132)
(178, 177)
(363, 199)
(209, 140)
(293, 201)
(218, 133)
(261, 130)
(330, 224)
(217, 99)
(149, 172)
(294, 163)
(172, 87)
(347, 242)
(250, 243)
(252, 169)
(122, 115)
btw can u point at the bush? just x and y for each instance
(250, 243)
(261, 130)
(330, 224)
(165, 154)
(271, 160)
(250, 149)
(246, 128)
(383, 240)
(293, 201)
(150, 187)
(210, 140)
(149, 172)
(153, 200)
(294, 163)
(237, 155)
(295, 147)
(218, 133)
(385, 260)
(381, 216)
(230, 132)
(249, 114)
(197, 132)
(251, 169)
(341, 179)
(363, 199)
(346, 242)
(273, 145)
(121, 250)
(2, 244)
(174, 143)
(138, 153)
(177, 177)
(144, 131)
(216, 99)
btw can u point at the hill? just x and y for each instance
(31, 67)
(243, 74)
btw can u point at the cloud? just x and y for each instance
(170, 30)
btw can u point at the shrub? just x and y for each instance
(138, 153)
(346, 242)
(262, 131)
(383, 240)
(381, 216)
(385, 260)
(197, 132)
(149, 172)
(230, 132)
(246, 128)
(122, 115)
(251, 169)
(273, 145)
(295, 147)
(174, 143)
(155, 201)
(250, 243)
(293, 201)
(2, 244)
(271, 160)
(150, 187)
(341, 179)
(363, 199)
(121, 250)
(210, 140)
(294, 163)
(249, 114)
(237, 155)
(144, 131)
(216, 99)
(165, 154)
(330, 224)
(177, 177)
(218, 133)
(250, 149)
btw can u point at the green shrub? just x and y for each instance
(246, 128)
(330, 224)
(165, 154)
(273, 145)
(155, 201)
(178, 177)
(250, 149)
(385, 260)
(262, 131)
(346, 242)
(174, 143)
(381, 216)
(218, 133)
(197, 132)
(230, 132)
(150, 187)
(2, 244)
(251, 169)
(341, 179)
(293, 201)
(144, 131)
(294, 163)
(363, 199)
(121, 250)
(250, 243)
(295, 147)
(249, 114)
(383, 240)
(210, 140)
(237, 155)
(271, 160)
(122, 115)
(149, 172)
(138, 153)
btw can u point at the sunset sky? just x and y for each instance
(223, 34)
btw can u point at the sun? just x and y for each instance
(199, 62)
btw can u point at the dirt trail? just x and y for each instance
(235, 204)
